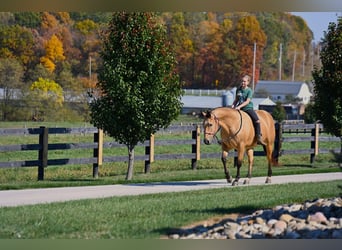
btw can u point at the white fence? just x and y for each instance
(206, 92)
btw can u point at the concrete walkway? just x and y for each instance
(47, 195)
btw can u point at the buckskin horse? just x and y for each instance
(237, 132)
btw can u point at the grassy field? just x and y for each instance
(163, 170)
(146, 216)
(149, 216)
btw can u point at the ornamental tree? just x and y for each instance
(328, 81)
(139, 88)
(46, 96)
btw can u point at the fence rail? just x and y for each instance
(97, 159)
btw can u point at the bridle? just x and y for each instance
(219, 128)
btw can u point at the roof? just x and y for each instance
(262, 101)
(280, 87)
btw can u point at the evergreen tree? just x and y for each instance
(279, 113)
(140, 91)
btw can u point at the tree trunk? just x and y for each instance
(129, 174)
(340, 156)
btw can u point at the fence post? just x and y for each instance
(43, 152)
(277, 143)
(314, 143)
(98, 152)
(196, 148)
(149, 150)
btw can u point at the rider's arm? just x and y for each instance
(245, 103)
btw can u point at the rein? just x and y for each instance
(230, 137)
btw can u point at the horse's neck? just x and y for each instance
(227, 118)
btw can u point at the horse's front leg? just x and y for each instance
(250, 154)
(224, 162)
(238, 166)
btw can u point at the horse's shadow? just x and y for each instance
(175, 183)
(220, 211)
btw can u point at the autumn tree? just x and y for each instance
(207, 55)
(278, 34)
(328, 81)
(248, 33)
(17, 42)
(228, 56)
(49, 24)
(46, 97)
(140, 89)
(184, 47)
(54, 53)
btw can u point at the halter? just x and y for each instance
(219, 128)
(230, 137)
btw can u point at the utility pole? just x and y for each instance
(254, 58)
(89, 67)
(294, 65)
(280, 54)
(303, 65)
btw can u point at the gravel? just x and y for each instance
(315, 219)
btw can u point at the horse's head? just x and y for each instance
(210, 126)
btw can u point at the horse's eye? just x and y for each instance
(210, 125)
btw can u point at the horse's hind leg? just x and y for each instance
(250, 154)
(224, 162)
(269, 152)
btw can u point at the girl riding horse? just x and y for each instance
(243, 101)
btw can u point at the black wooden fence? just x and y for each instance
(97, 159)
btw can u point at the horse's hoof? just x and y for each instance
(268, 180)
(229, 180)
(235, 183)
(246, 182)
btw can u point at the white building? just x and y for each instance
(279, 90)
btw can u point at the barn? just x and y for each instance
(279, 90)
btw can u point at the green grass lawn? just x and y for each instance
(149, 216)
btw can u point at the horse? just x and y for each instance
(237, 132)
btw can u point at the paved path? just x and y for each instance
(47, 195)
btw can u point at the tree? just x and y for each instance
(46, 96)
(11, 73)
(279, 113)
(140, 88)
(28, 19)
(247, 33)
(54, 53)
(328, 81)
(180, 38)
(17, 42)
(309, 115)
(211, 40)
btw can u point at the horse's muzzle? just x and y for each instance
(206, 141)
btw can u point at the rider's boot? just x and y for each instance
(259, 138)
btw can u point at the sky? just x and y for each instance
(318, 22)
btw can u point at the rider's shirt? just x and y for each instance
(242, 95)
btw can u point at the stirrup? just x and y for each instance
(260, 141)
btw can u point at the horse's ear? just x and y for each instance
(203, 114)
(207, 114)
